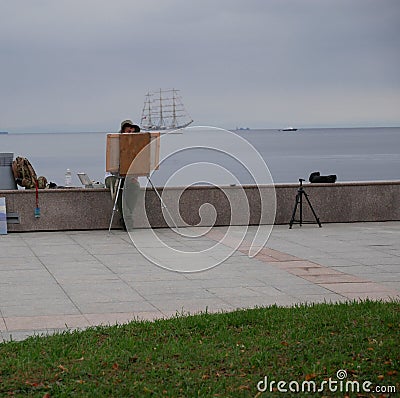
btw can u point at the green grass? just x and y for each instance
(209, 355)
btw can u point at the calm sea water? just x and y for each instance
(353, 154)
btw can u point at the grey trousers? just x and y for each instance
(127, 202)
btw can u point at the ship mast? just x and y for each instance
(174, 124)
(146, 112)
(161, 121)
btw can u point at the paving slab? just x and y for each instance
(56, 281)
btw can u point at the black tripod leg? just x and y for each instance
(294, 212)
(300, 194)
(312, 209)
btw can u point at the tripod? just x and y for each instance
(299, 201)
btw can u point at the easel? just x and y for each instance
(163, 205)
(115, 201)
(134, 153)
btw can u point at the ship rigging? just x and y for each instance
(164, 110)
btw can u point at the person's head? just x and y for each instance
(127, 126)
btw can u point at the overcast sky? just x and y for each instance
(84, 65)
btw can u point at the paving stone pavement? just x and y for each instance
(53, 281)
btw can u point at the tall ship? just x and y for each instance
(164, 110)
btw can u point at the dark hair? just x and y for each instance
(135, 127)
(125, 126)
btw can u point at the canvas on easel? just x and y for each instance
(136, 153)
(3, 217)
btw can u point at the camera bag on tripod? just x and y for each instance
(316, 177)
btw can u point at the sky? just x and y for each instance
(85, 65)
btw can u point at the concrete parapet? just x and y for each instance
(60, 209)
(82, 209)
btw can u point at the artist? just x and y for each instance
(130, 184)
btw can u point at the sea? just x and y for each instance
(233, 157)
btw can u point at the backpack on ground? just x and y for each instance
(25, 175)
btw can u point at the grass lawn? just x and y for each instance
(215, 355)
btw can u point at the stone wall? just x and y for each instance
(82, 209)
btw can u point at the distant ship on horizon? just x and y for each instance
(289, 129)
(164, 110)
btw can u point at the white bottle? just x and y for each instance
(68, 178)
